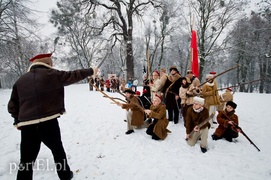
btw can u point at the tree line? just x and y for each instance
(125, 36)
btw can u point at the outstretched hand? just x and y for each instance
(95, 71)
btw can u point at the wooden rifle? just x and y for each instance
(202, 124)
(240, 84)
(214, 77)
(219, 75)
(242, 132)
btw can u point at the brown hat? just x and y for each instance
(129, 91)
(173, 68)
(45, 58)
(189, 71)
(163, 70)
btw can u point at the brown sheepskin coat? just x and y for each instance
(223, 122)
(224, 98)
(159, 113)
(210, 94)
(138, 113)
(195, 118)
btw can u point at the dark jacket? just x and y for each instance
(194, 118)
(171, 89)
(38, 95)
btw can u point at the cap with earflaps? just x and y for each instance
(232, 104)
(45, 58)
(173, 68)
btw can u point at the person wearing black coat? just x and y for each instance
(36, 101)
(171, 94)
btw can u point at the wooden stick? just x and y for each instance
(240, 84)
(104, 93)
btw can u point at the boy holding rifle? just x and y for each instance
(227, 120)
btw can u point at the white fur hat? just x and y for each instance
(199, 100)
(209, 76)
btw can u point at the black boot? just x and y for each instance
(129, 132)
(215, 137)
(155, 137)
(204, 150)
(229, 139)
(71, 175)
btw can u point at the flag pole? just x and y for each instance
(149, 64)
(191, 49)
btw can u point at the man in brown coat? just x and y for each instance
(211, 95)
(135, 113)
(224, 98)
(37, 100)
(196, 114)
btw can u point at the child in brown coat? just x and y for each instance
(227, 120)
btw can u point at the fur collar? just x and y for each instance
(39, 63)
(173, 78)
(210, 84)
(198, 110)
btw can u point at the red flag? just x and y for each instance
(194, 54)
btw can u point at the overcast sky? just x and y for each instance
(44, 6)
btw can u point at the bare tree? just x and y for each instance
(76, 30)
(213, 18)
(118, 18)
(16, 36)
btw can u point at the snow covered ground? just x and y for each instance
(93, 134)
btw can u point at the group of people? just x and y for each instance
(112, 84)
(37, 101)
(172, 94)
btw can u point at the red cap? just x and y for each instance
(212, 72)
(137, 93)
(160, 97)
(40, 56)
(157, 72)
(229, 89)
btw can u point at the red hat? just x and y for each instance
(144, 91)
(213, 72)
(40, 56)
(157, 72)
(160, 97)
(137, 93)
(229, 89)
